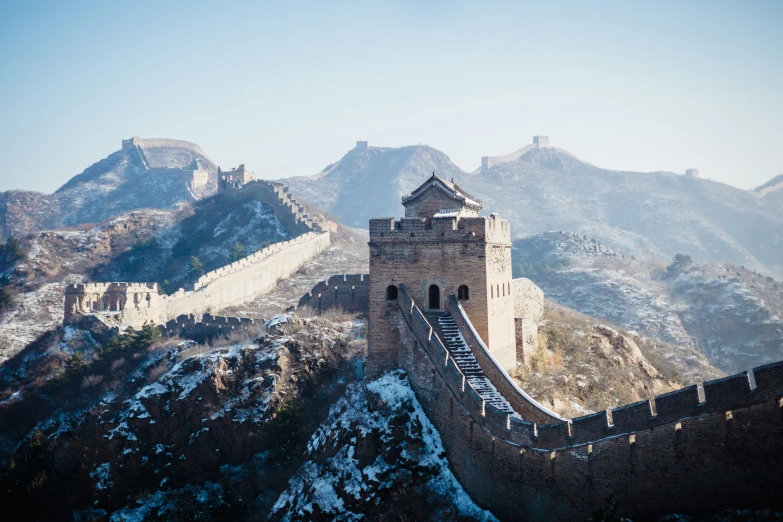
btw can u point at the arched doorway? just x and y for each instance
(434, 297)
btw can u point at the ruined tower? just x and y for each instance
(441, 247)
(234, 179)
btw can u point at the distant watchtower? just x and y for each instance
(234, 179)
(441, 247)
(541, 142)
(131, 143)
(362, 145)
(692, 173)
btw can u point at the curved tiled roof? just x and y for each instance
(450, 188)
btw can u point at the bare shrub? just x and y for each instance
(336, 315)
(306, 312)
(156, 371)
(91, 380)
(194, 350)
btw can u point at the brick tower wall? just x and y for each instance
(448, 253)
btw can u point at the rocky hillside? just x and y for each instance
(656, 214)
(583, 365)
(376, 457)
(144, 427)
(121, 182)
(54, 259)
(170, 247)
(731, 314)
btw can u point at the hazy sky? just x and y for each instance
(288, 87)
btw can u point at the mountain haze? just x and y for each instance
(369, 183)
(656, 214)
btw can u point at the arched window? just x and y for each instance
(391, 292)
(504, 290)
(463, 294)
(491, 291)
(434, 295)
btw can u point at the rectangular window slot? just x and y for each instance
(700, 391)
(751, 379)
(609, 419)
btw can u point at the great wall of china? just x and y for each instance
(665, 455)
(438, 280)
(122, 304)
(695, 451)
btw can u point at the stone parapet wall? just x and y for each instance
(191, 326)
(348, 292)
(693, 456)
(528, 299)
(440, 230)
(528, 311)
(248, 278)
(133, 304)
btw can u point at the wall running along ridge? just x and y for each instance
(677, 453)
(133, 304)
(348, 292)
(229, 285)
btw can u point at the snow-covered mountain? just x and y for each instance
(732, 314)
(123, 181)
(656, 214)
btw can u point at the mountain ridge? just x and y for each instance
(544, 189)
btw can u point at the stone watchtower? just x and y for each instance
(441, 247)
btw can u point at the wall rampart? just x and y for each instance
(133, 304)
(348, 292)
(422, 230)
(192, 326)
(247, 278)
(729, 454)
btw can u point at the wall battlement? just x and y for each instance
(195, 326)
(492, 228)
(253, 259)
(570, 467)
(348, 292)
(133, 304)
(720, 395)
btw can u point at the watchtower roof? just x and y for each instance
(449, 188)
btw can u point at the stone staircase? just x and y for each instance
(447, 331)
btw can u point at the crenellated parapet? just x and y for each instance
(347, 292)
(255, 258)
(709, 445)
(137, 302)
(192, 326)
(133, 304)
(440, 229)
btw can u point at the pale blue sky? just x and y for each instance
(288, 87)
